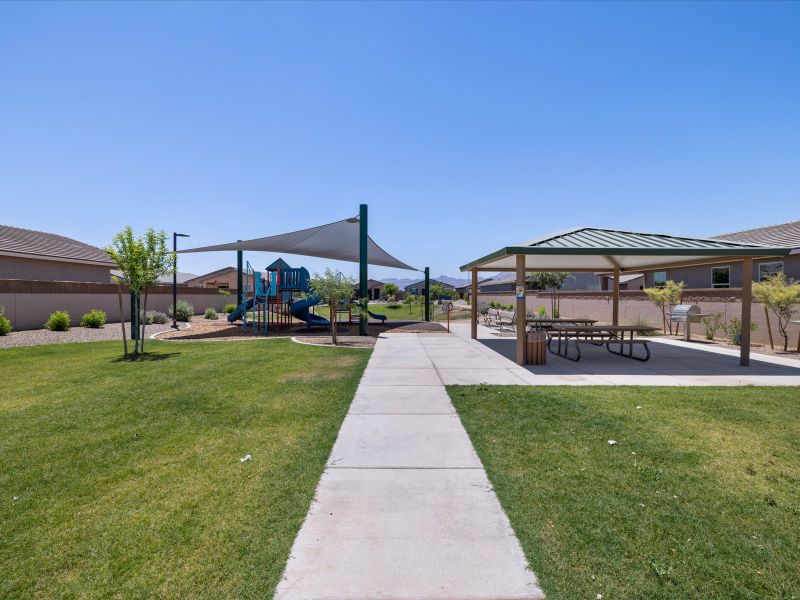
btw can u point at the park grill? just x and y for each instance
(686, 314)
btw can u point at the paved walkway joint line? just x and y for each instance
(405, 510)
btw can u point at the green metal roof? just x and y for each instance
(595, 248)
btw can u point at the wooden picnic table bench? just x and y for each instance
(538, 324)
(599, 335)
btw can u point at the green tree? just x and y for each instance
(333, 288)
(409, 300)
(390, 289)
(780, 295)
(550, 280)
(141, 262)
(665, 298)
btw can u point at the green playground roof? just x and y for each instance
(279, 264)
(592, 248)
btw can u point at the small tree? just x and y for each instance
(141, 261)
(552, 280)
(780, 295)
(333, 288)
(390, 289)
(409, 300)
(665, 298)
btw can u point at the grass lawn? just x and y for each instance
(127, 474)
(402, 313)
(699, 498)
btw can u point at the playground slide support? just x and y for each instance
(362, 264)
(427, 293)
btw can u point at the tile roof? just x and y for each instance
(38, 244)
(783, 234)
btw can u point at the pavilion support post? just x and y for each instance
(747, 301)
(521, 309)
(473, 307)
(362, 264)
(615, 300)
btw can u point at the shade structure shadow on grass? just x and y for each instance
(666, 359)
(145, 356)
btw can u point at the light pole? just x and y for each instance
(175, 237)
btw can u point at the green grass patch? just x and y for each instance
(699, 497)
(402, 313)
(123, 479)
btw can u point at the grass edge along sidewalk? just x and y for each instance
(697, 498)
(124, 478)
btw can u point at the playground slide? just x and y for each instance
(240, 310)
(300, 311)
(381, 318)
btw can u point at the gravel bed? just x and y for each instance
(37, 337)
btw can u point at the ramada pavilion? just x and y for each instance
(595, 249)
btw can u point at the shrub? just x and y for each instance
(712, 323)
(229, 308)
(94, 319)
(184, 312)
(156, 317)
(58, 321)
(210, 313)
(733, 330)
(5, 322)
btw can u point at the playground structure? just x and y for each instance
(277, 297)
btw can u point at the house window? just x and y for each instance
(721, 277)
(659, 278)
(767, 270)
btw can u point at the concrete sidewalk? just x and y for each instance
(404, 509)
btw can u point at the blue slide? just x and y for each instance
(300, 311)
(381, 318)
(240, 310)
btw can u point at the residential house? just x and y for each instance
(418, 287)
(39, 256)
(224, 279)
(630, 281)
(730, 275)
(375, 289)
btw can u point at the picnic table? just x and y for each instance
(599, 335)
(548, 322)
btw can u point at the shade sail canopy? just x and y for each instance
(588, 248)
(337, 241)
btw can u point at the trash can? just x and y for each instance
(536, 348)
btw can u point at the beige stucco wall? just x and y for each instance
(30, 309)
(12, 267)
(633, 307)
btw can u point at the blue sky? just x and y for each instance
(465, 127)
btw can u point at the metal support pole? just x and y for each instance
(175, 237)
(427, 293)
(239, 279)
(362, 263)
(473, 307)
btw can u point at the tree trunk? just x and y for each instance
(136, 341)
(122, 321)
(143, 317)
(769, 329)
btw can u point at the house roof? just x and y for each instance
(433, 281)
(783, 234)
(216, 273)
(27, 243)
(591, 248)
